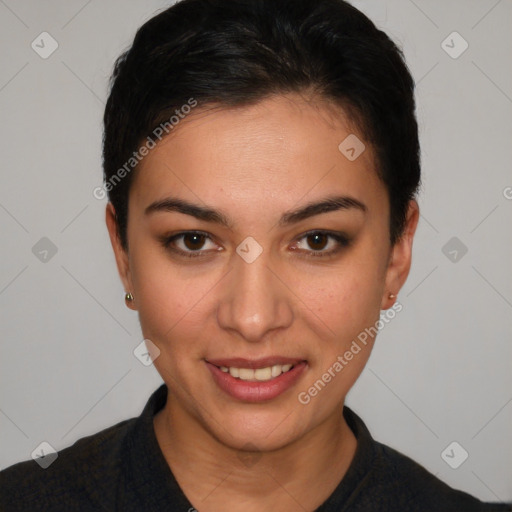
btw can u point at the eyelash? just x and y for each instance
(341, 240)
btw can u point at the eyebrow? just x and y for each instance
(329, 204)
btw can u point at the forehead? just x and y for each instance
(278, 150)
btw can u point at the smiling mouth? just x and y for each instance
(259, 374)
(256, 380)
(262, 370)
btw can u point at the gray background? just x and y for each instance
(441, 370)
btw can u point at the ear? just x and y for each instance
(121, 254)
(400, 257)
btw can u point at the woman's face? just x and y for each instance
(269, 277)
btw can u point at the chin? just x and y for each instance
(258, 431)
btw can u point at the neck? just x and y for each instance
(213, 476)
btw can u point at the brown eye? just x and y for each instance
(194, 241)
(321, 243)
(190, 244)
(318, 241)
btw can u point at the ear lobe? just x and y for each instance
(401, 257)
(121, 255)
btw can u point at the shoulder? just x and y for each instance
(409, 486)
(381, 478)
(77, 477)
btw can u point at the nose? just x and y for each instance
(254, 301)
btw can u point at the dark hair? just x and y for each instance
(237, 52)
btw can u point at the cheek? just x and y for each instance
(343, 301)
(163, 298)
(340, 313)
(174, 304)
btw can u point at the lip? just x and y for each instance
(254, 364)
(255, 391)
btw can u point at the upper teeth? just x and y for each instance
(260, 374)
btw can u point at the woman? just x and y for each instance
(261, 159)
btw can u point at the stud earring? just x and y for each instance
(391, 296)
(128, 297)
